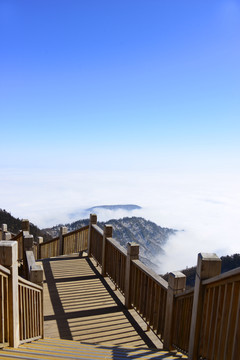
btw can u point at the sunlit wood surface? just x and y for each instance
(79, 304)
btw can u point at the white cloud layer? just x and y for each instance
(206, 207)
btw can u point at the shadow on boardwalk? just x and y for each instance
(80, 305)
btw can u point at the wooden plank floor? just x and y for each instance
(79, 304)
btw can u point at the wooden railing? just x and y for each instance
(115, 261)
(72, 242)
(147, 291)
(148, 296)
(30, 310)
(49, 248)
(4, 306)
(97, 243)
(75, 241)
(220, 328)
(182, 315)
(21, 301)
(203, 322)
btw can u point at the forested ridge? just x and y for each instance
(14, 225)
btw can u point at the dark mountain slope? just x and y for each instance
(14, 225)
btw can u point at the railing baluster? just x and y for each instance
(2, 312)
(229, 328)
(236, 343)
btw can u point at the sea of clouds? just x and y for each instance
(205, 206)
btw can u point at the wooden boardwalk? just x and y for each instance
(79, 304)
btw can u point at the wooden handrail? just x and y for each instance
(185, 293)
(76, 231)
(222, 277)
(98, 229)
(117, 246)
(151, 274)
(29, 284)
(4, 270)
(49, 241)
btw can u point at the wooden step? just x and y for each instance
(49, 349)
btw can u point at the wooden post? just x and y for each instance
(4, 227)
(108, 230)
(4, 230)
(8, 258)
(27, 246)
(39, 241)
(75, 243)
(7, 236)
(36, 274)
(176, 285)
(92, 221)
(208, 265)
(132, 254)
(25, 225)
(63, 231)
(34, 271)
(27, 242)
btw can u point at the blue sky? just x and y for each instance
(113, 78)
(94, 93)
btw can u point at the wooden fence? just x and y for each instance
(4, 306)
(75, 241)
(115, 261)
(148, 296)
(146, 291)
(182, 314)
(97, 243)
(21, 301)
(72, 242)
(203, 322)
(30, 310)
(49, 248)
(220, 327)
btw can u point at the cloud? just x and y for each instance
(205, 206)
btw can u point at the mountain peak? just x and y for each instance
(127, 207)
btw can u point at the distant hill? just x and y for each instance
(147, 234)
(14, 225)
(128, 207)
